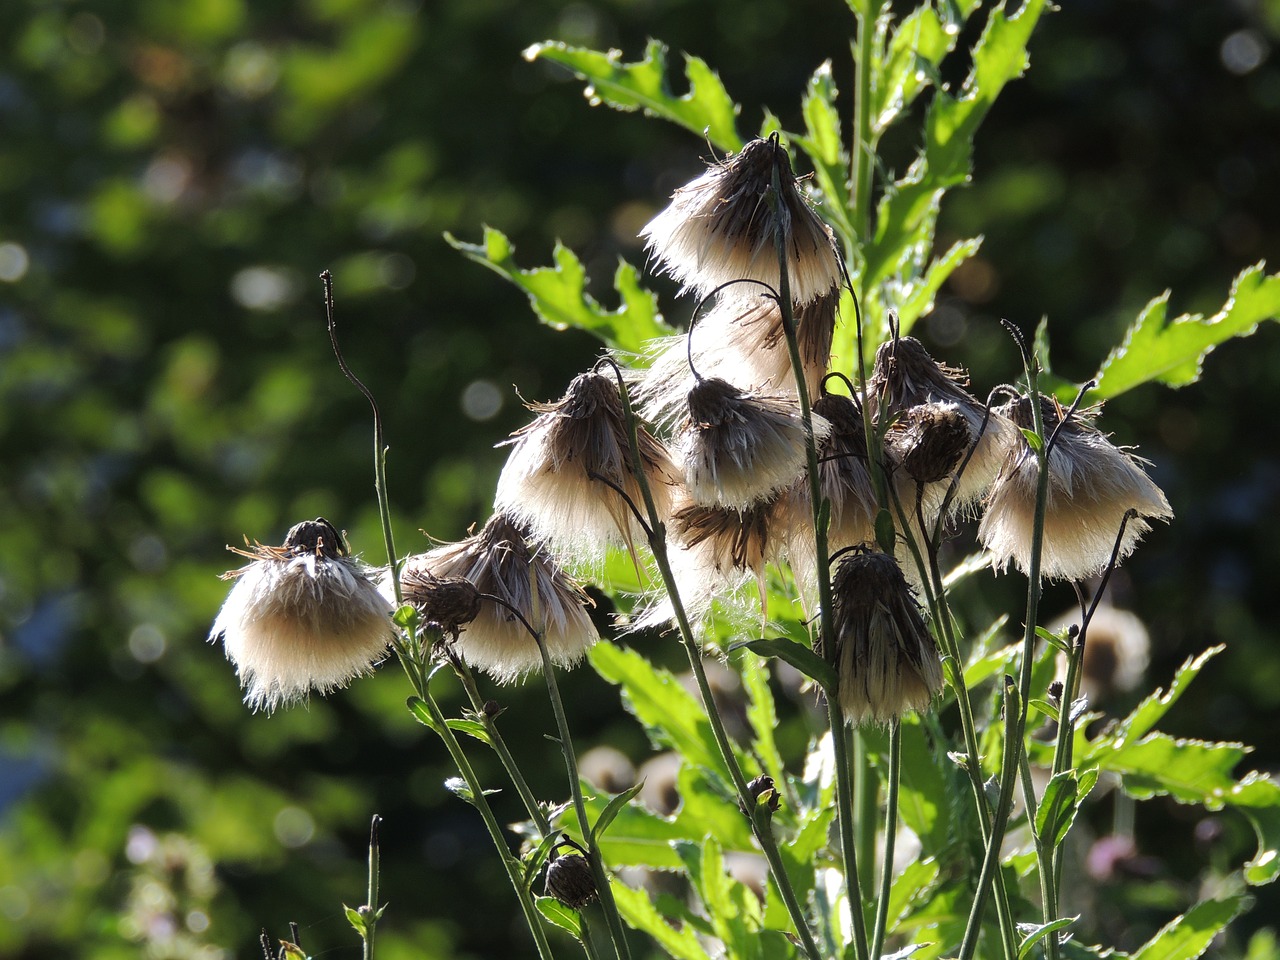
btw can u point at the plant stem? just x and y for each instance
(953, 665)
(605, 892)
(481, 803)
(371, 900)
(531, 805)
(762, 831)
(1017, 724)
(863, 150)
(839, 742)
(890, 834)
(1044, 859)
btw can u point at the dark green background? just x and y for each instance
(153, 152)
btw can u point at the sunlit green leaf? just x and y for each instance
(611, 810)
(1188, 936)
(566, 918)
(559, 295)
(472, 728)
(638, 910)
(1172, 352)
(706, 110)
(798, 656)
(1037, 932)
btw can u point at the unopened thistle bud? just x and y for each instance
(905, 376)
(449, 602)
(1092, 485)
(721, 227)
(739, 448)
(885, 660)
(571, 880)
(566, 468)
(302, 616)
(500, 562)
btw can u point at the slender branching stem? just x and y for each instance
(839, 741)
(760, 827)
(1015, 724)
(1044, 859)
(890, 833)
(371, 900)
(531, 805)
(616, 930)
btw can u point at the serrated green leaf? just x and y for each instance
(762, 715)
(1057, 809)
(559, 297)
(1153, 708)
(1192, 771)
(1038, 932)
(908, 211)
(671, 715)
(610, 812)
(357, 922)
(911, 886)
(797, 655)
(706, 812)
(706, 110)
(638, 910)
(1173, 353)
(566, 918)
(422, 713)
(1188, 936)
(1257, 796)
(472, 728)
(916, 297)
(910, 63)
(823, 143)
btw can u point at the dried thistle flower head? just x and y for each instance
(739, 448)
(905, 376)
(558, 478)
(500, 562)
(302, 616)
(928, 441)
(845, 483)
(449, 602)
(721, 227)
(884, 657)
(1092, 485)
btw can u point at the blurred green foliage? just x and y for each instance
(173, 176)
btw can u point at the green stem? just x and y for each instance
(863, 149)
(890, 834)
(762, 830)
(371, 900)
(1044, 859)
(953, 664)
(481, 803)
(605, 892)
(866, 795)
(1016, 725)
(844, 773)
(531, 805)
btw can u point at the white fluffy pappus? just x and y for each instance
(721, 227)
(739, 448)
(1092, 485)
(501, 562)
(885, 660)
(561, 475)
(303, 616)
(740, 340)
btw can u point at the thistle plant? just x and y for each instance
(791, 484)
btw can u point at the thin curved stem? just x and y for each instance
(1017, 724)
(1044, 860)
(890, 834)
(759, 827)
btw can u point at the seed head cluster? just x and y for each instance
(702, 443)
